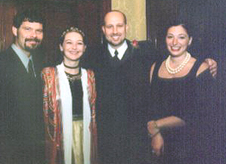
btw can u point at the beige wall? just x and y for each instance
(135, 11)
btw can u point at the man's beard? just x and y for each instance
(32, 47)
(116, 45)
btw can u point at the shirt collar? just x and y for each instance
(23, 57)
(121, 50)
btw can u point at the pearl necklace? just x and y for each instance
(180, 67)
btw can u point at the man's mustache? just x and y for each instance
(35, 39)
(116, 35)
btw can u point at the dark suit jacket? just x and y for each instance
(121, 103)
(22, 126)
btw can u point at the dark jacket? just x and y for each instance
(22, 125)
(121, 103)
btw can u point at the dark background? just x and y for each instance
(207, 19)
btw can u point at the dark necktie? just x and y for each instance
(116, 55)
(30, 68)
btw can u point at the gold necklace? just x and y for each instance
(73, 77)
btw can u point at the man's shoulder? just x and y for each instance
(6, 61)
(6, 53)
(143, 45)
(8, 50)
(93, 57)
(145, 49)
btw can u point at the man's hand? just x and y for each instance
(212, 66)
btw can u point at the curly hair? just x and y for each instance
(28, 15)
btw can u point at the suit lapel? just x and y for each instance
(107, 58)
(14, 62)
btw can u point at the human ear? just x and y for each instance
(61, 48)
(190, 41)
(103, 29)
(127, 27)
(14, 30)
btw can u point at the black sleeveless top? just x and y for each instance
(182, 97)
(174, 96)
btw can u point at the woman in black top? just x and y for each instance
(182, 126)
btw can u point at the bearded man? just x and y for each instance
(22, 125)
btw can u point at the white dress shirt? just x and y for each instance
(121, 50)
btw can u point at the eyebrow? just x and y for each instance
(71, 40)
(178, 34)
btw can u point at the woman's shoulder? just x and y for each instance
(48, 70)
(158, 62)
(152, 70)
(89, 71)
(202, 68)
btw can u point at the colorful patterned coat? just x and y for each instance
(53, 118)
